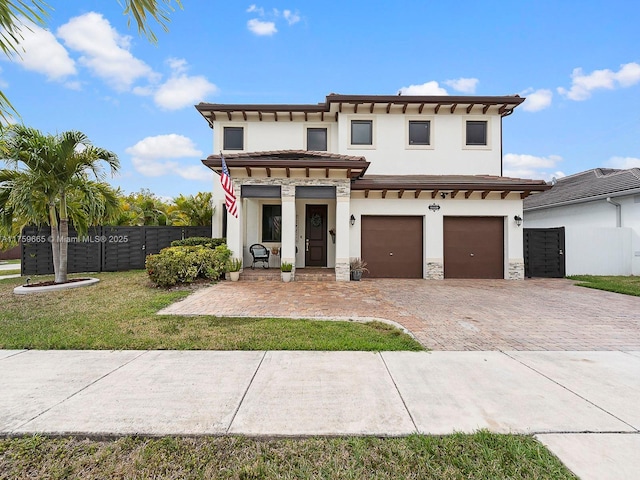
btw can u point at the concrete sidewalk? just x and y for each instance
(584, 405)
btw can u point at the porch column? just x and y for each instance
(234, 226)
(343, 226)
(288, 237)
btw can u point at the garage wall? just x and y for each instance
(433, 225)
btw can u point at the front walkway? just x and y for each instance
(538, 314)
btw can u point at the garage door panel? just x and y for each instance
(392, 246)
(474, 247)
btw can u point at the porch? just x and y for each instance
(309, 274)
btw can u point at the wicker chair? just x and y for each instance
(260, 253)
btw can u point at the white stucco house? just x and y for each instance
(413, 185)
(599, 213)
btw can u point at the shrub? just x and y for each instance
(175, 265)
(234, 265)
(286, 267)
(203, 241)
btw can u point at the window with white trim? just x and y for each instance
(476, 133)
(233, 138)
(317, 139)
(361, 132)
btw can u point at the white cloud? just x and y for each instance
(41, 52)
(530, 166)
(182, 90)
(291, 17)
(157, 156)
(623, 162)
(254, 8)
(105, 52)
(429, 88)
(537, 100)
(583, 84)
(261, 28)
(464, 85)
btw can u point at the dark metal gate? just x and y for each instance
(544, 252)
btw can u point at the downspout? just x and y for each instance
(618, 212)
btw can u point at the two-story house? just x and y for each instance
(413, 185)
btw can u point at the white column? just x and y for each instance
(234, 226)
(343, 228)
(288, 252)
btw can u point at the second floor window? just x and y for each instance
(476, 133)
(233, 138)
(419, 133)
(317, 139)
(361, 132)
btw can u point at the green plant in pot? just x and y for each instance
(286, 268)
(357, 267)
(233, 267)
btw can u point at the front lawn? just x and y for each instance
(618, 284)
(482, 455)
(120, 313)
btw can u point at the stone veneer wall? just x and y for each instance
(435, 271)
(516, 270)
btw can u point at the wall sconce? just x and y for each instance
(353, 220)
(434, 207)
(518, 220)
(443, 194)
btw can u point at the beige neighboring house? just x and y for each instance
(411, 184)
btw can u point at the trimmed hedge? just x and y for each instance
(175, 265)
(204, 241)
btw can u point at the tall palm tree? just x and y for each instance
(52, 181)
(14, 14)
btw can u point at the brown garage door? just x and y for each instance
(392, 246)
(473, 247)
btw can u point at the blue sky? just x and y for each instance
(578, 64)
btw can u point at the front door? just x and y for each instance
(316, 236)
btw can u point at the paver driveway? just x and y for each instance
(537, 314)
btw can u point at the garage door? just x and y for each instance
(473, 247)
(392, 246)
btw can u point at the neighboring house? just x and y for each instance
(599, 213)
(411, 184)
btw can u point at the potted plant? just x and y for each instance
(286, 268)
(233, 267)
(357, 267)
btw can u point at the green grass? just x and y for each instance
(119, 312)
(9, 272)
(618, 284)
(481, 455)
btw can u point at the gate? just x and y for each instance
(544, 252)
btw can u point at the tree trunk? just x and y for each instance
(55, 240)
(64, 240)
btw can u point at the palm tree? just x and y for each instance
(192, 210)
(14, 14)
(52, 182)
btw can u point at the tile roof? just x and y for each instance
(448, 182)
(288, 155)
(585, 186)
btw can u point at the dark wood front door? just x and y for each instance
(316, 236)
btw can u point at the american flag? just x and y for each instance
(227, 186)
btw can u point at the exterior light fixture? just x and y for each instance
(443, 194)
(518, 220)
(434, 207)
(353, 220)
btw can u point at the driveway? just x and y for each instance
(536, 314)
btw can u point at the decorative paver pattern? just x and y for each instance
(534, 314)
